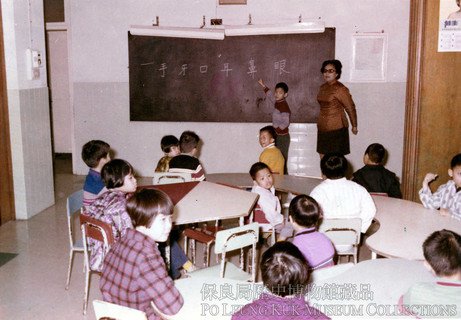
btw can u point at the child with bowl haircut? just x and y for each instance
(170, 146)
(135, 274)
(187, 161)
(280, 117)
(268, 213)
(285, 274)
(95, 154)
(304, 215)
(271, 155)
(447, 198)
(339, 197)
(374, 176)
(442, 252)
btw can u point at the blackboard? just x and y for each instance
(178, 79)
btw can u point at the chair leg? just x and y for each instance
(192, 247)
(69, 268)
(87, 287)
(207, 254)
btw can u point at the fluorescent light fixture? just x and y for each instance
(301, 27)
(178, 32)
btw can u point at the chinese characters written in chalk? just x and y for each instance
(226, 69)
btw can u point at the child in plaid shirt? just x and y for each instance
(447, 198)
(135, 274)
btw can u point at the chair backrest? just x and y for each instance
(236, 238)
(74, 205)
(171, 177)
(342, 232)
(111, 310)
(96, 229)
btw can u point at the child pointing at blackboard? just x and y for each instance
(280, 117)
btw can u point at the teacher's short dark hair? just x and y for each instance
(284, 269)
(338, 66)
(333, 165)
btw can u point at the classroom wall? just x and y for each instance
(29, 119)
(99, 80)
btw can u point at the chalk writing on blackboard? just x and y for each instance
(178, 79)
(163, 69)
(252, 68)
(226, 69)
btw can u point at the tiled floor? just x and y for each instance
(32, 285)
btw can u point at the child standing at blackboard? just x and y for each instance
(280, 117)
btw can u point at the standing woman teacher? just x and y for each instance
(335, 101)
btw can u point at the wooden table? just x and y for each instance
(284, 183)
(207, 201)
(370, 288)
(404, 225)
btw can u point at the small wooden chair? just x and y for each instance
(99, 231)
(344, 234)
(171, 177)
(230, 240)
(74, 205)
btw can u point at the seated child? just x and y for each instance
(170, 146)
(447, 198)
(304, 215)
(95, 154)
(268, 202)
(135, 274)
(373, 176)
(280, 117)
(442, 252)
(118, 177)
(339, 197)
(285, 274)
(187, 161)
(271, 155)
(110, 207)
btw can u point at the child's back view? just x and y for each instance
(285, 274)
(374, 176)
(95, 154)
(304, 215)
(170, 146)
(339, 197)
(187, 161)
(442, 251)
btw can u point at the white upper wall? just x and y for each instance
(23, 28)
(99, 79)
(99, 28)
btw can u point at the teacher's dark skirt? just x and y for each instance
(333, 141)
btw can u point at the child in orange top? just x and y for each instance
(271, 155)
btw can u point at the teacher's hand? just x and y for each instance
(355, 130)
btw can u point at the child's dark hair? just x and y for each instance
(167, 142)
(283, 86)
(188, 141)
(442, 250)
(305, 211)
(456, 161)
(114, 172)
(146, 204)
(256, 167)
(376, 153)
(270, 130)
(333, 165)
(338, 66)
(93, 151)
(284, 269)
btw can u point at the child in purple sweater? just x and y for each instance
(304, 215)
(285, 274)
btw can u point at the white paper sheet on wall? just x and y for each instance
(369, 57)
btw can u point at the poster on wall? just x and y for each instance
(450, 26)
(369, 57)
